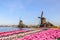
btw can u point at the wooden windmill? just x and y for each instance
(20, 24)
(43, 20)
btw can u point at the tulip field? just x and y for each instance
(12, 34)
(38, 34)
(50, 34)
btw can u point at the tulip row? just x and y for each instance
(15, 34)
(11, 32)
(50, 34)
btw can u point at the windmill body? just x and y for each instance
(21, 25)
(43, 20)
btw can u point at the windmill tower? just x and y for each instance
(43, 20)
(20, 24)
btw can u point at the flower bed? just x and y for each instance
(50, 34)
(12, 32)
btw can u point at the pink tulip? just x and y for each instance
(49, 34)
(11, 32)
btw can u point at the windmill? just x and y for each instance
(43, 20)
(20, 23)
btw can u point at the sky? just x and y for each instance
(11, 11)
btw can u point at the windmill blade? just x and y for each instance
(42, 14)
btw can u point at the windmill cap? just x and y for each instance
(20, 20)
(42, 18)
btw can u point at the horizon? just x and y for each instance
(11, 11)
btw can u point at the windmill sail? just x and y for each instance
(42, 14)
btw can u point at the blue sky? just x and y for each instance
(11, 11)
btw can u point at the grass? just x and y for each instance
(58, 38)
(18, 36)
